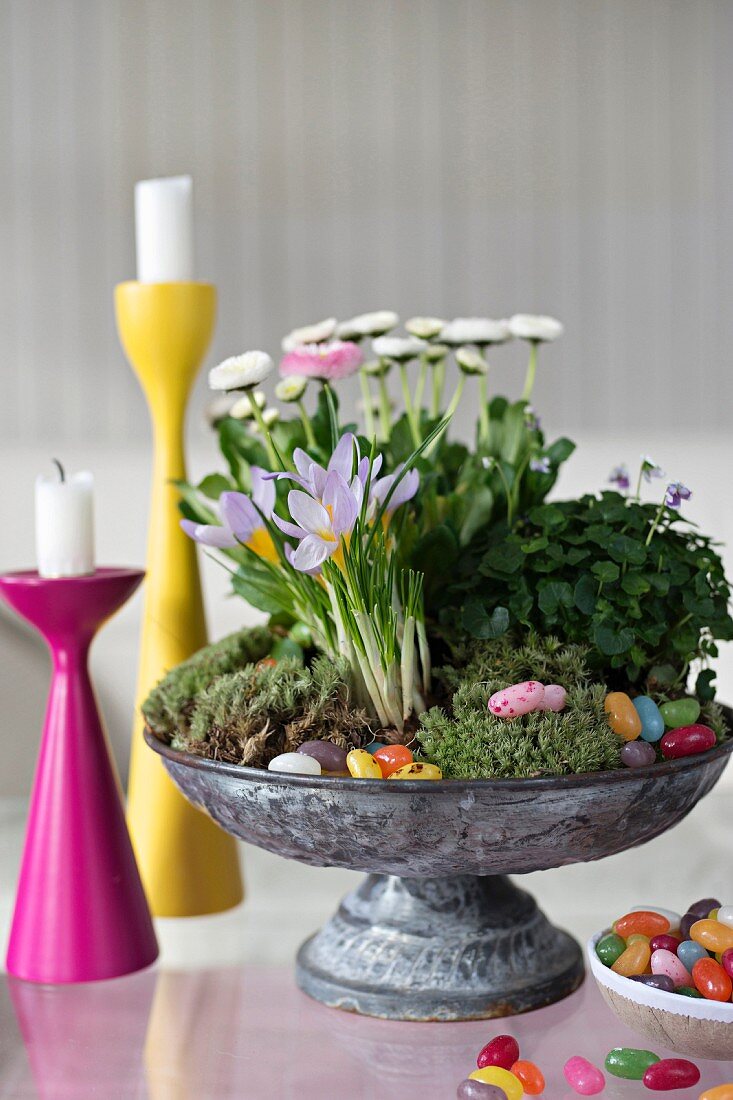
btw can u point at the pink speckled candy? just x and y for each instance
(664, 962)
(583, 1077)
(517, 699)
(555, 698)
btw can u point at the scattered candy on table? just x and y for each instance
(295, 763)
(530, 1077)
(583, 1077)
(629, 1063)
(718, 1092)
(479, 1090)
(502, 1050)
(495, 1075)
(671, 1073)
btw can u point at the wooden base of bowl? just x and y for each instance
(683, 1034)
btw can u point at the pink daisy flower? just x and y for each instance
(329, 362)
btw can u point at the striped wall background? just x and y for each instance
(450, 156)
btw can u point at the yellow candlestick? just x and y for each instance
(189, 866)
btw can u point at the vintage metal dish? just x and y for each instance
(437, 931)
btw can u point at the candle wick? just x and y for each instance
(60, 468)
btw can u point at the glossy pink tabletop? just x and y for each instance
(247, 1032)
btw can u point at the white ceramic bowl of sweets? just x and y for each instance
(670, 976)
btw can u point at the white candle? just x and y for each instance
(64, 525)
(164, 230)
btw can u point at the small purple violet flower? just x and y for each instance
(619, 477)
(540, 465)
(650, 469)
(531, 420)
(676, 493)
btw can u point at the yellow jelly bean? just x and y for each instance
(495, 1075)
(418, 771)
(712, 935)
(362, 765)
(718, 1092)
(636, 937)
(622, 715)
(634, 960)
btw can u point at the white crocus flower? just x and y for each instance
(471, 362)
(525, 326)
(398, 348)
(368, 324)
(291, 388)
(241, 372)
(425, 328)
(243, 408)
(475, 330)
(309, 334)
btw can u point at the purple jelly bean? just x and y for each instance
(655, 981)
(638, 754)
(329, 756)
(687, 922)
(703, 907)
(479, 1090)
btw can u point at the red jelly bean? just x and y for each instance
(665, 943)
(671, 1073)
(687, 741)
(712, 980)
(392, 757)
(643, 921)
(530, 1077)
(726, 961)
(501, 1051)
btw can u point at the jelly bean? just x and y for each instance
(680, 712)
(637, 754)
(635, 937)
(478, 1090)
(331, 757)
(645, 921)
(417, 771)
(374, 747)
(392, 757)
(689, 991)
(295, 763)
(665, 943)
(652, 722)
(517, 699)
(713, 935)
(718, 1092)
(687, 922)
(655, 981)
(686, 741)
(362, 765)
(725, 915)
(703, 907)
(609, 948)
(496, 1075)
(671, 1073)
(629, 1063)
(711, 980)
(503, 1050)
(689, 952)
(726, 961)
(672, 917)
(665, 962)
(713, 914)
(583, 1077)
(634, 960)
(531, 1077)
(622, 715)
(555, 698)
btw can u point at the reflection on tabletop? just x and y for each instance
(247, 1032)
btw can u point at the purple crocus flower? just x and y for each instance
(619, 477)
(405, 490)
(676, 493)
(242, 517)
(540, 465)
(312, 476)
(320, 525)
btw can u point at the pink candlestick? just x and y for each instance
(80, 910)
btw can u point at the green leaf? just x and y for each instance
(606, 571)
(505, 557)
(634, 584)
(704, 688)
(477, 621)
(622, 549)
(260, 592)
(584, 594)
(612, 641)
(214, 485)
(554, 594)
(478, 513)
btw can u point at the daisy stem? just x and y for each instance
(275, 463)
(531, 371)
(307, 427)
(420, 387)
(483, 409)
(368, 410)
(407, 397)
(384, 409)
(449, 412)
(438, 379)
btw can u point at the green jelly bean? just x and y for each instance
(610, 948)
(688, 991)
(680, 712)
(629, 1063)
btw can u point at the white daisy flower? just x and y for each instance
(475, 330)
(377, 367)
(241, 372)
(220, 407)
(525, 326)
(270, 417)
(426, 328)
(435, 352)
(471, 362)
(368, 324)
(399, 348)
(291, 388)
(309, 334)
(243, 408)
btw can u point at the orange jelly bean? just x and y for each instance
(642, 921)
(530, 1076)
(392, 757)
(718, 1092)
(711, 980)
(634, 960)
(622, 715)
(712, 935)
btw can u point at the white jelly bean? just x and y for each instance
(555, 698)
(296, 763)
(725, 915)
(517, 699)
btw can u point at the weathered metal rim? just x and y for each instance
(411, 786)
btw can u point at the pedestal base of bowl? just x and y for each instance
(459, 947)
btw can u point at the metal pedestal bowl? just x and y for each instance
(436, 931)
